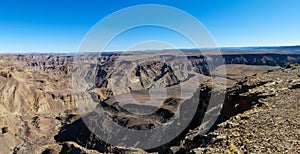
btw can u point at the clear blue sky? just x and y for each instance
(60, 25)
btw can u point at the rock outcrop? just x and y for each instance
(263, 117)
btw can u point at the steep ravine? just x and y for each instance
(235, 102)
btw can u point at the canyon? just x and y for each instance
(46, 100)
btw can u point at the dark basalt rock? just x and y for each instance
(4, 130)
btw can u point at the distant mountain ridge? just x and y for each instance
(225, 49)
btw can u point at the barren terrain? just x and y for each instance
(39, 109)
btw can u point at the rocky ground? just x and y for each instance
(271, 126)
(38, 112)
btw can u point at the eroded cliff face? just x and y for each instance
(38, 101)
(26, 90)
(33, 93)
(104, 64)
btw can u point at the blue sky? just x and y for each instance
(60, 25)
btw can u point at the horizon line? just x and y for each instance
(222, 47)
